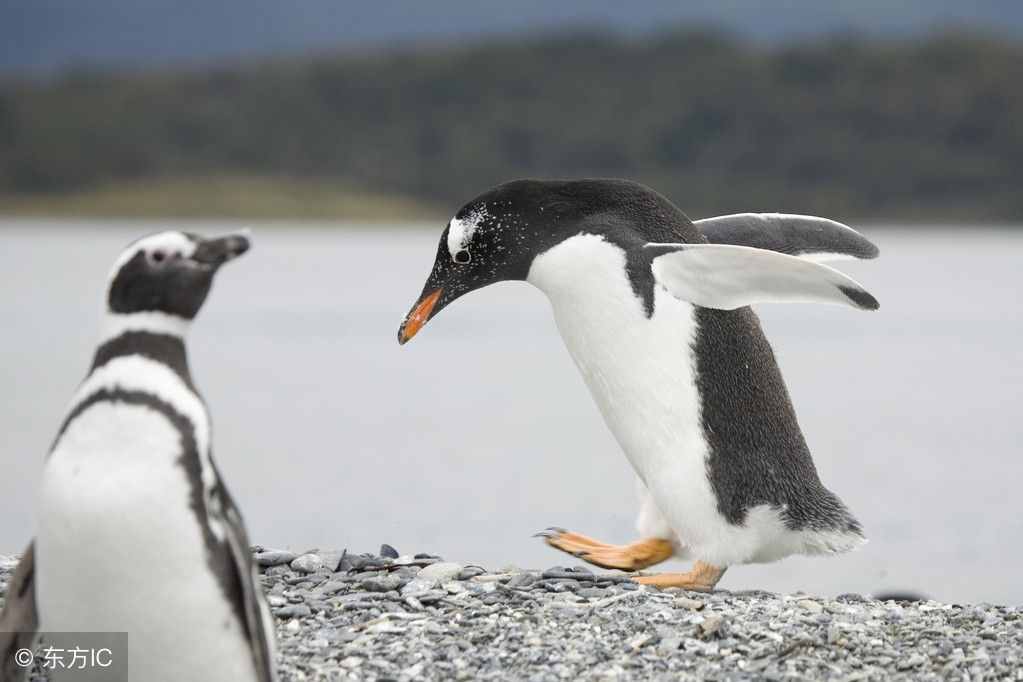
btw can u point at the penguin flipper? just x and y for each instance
(19, 622)
(810, 237)
(258, 621)
(726, 277)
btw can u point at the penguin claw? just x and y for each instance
(551, 532)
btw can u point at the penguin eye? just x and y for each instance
(462, 256)
(157, 257)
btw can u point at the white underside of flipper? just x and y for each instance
(726, 277)
(642, 374)
(119, 549)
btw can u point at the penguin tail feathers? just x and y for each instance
(832, 541)
(833, 529)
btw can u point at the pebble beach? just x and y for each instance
(393, 616)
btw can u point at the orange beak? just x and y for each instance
(419, 316)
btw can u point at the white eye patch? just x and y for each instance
(461, 231)
(168, 242)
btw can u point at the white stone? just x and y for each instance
(440, 572)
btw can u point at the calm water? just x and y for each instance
(480, 432)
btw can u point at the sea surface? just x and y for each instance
(479, 433)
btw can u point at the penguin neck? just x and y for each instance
(583, 274)
(154, 335)
(149, 321)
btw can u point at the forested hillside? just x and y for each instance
(919, 129)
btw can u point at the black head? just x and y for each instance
(169, 272)
(496, 236)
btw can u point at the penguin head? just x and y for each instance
(169, 273)
(496, 236)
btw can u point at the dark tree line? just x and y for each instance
(929, 128)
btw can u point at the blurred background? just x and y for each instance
(347, 133)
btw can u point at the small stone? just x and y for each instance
(388, 552)
(416, 587)
(493, 578)
(413, 671)
(559, 572)
(440, 572)
(521, 580)
(344, 564)
(669, 645)
(273, 557)
(355, 562)
(640, 641)
(431, 596)
(293, 611)
(307, 563)
(277, 571)
(384, 583)
(471, 571)
(712, 624)
(560, 585)
(810, 605)
(914, 661)
(275, 600)
(334, 586)
(687, 603)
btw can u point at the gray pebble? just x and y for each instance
(669, 645)
(810, 605)
(273, 557)
(384, 583)
(712, 624)
(562, 626)
(293, 611)
(521, 580)
(471, 572)
(439, 572)
(687, 603)
(569, 574)
(307, 563)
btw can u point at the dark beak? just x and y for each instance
(419, 315)
(217, 251)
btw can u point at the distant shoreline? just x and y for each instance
(306, 201)
(219, 196)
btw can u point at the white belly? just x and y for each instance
(642, 374)
(119, 549)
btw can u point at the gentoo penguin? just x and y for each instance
(137, 532)
(654, 310)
